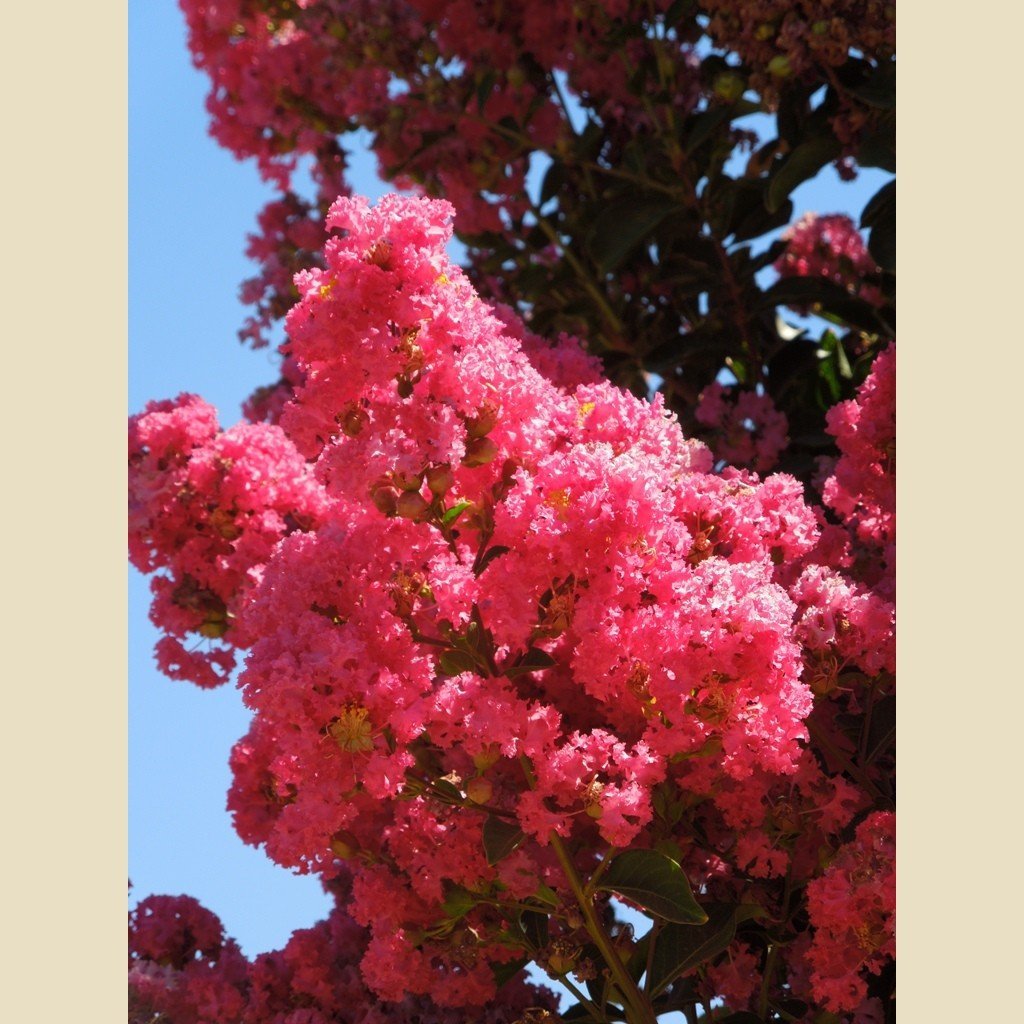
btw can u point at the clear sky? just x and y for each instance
(191, 205)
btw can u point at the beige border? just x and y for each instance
(960, 406)
(64, 273)
(64, 269)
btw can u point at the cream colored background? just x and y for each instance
(961, 386)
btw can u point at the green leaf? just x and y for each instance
(704, 125)
(484, 89)
(454, 512)
(458, 902)
(879, 148)
(490, 556)
(655, 882)
(802, 163)
(553, 181)
(882, 245)
(879, 205)
(504, 973)
(500, 838)
(454, 663)
(880, 216)
(759, 221)
(534, 660)
(535, 928)
(879, 89)
(623, 225)
(882, 730)
(443, 790)
(678, 947)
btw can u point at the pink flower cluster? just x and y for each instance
(830, 247)
(746, 429)
(182, 967)
(852, 908)
(205, 509)
(480, 597)
(862, 484)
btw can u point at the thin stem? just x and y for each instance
(592, 1008)
(769, 969)
(581, 272)
(655, 930)
(630, 993)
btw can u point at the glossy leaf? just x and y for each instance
(655, 882)
(804, 162)
(501, 837)
(623, 225)
(678, 948)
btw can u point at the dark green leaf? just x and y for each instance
(759, 221)
(882, 730)
(553, 181)
(504, 973)
(490, 556)
(881, 204)
(655, 882)
(576, 1012)
(454, 663)
(878, 90)
(802, 163)
(535, 928)
(882, 245)
(879, 148)
(500, 838)
(704, 124)
(534, 660)
(679, 947)
(458, 902)
(444, 790)
(484, 89)
(624, 224)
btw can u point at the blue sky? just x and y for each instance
(191, 205)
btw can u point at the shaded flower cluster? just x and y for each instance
(832, 248)
(182, 968)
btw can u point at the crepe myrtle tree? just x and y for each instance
(563, 579)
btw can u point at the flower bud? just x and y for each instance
(440, 480)
(484, 421)
(344, 845)
(479, 790)
(411, 505)
(406, 481)
(479, 452)
(487, 757)
(779, 66)
(384, 497)
(729, 86)
(352, 420)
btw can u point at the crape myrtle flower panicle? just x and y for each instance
(183, 968)
(746, 428)
(862, 486)
(478, 583)
(205, 509)
(509, 571)
(829, 246)
(852, 909)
